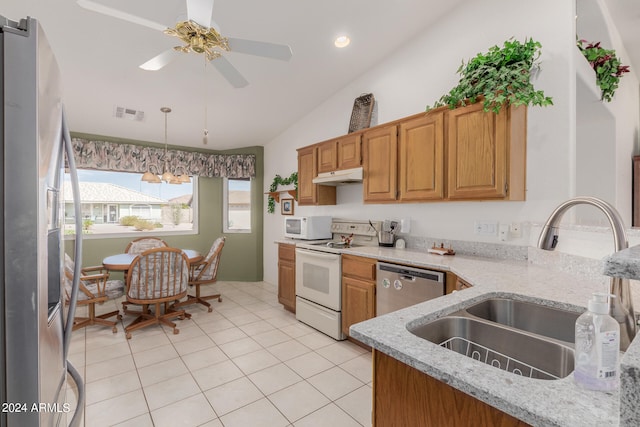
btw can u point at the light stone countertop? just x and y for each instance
(624, 263)
(537, 402)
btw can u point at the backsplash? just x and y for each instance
(463, 247)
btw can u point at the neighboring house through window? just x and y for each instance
(236, 205)
(116, 203)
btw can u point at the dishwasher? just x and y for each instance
(399, 286)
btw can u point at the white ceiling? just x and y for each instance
(99, 57)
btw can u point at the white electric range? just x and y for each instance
(319, 274)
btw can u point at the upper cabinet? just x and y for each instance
(338, 154)
(308, 192)
(421, 158)
(442, 155)
(380, 164)
(486, 153)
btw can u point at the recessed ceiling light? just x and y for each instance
(342, 41)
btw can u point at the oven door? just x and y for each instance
(318, 277)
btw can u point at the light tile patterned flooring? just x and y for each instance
(249, 363)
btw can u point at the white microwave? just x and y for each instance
(308, 227)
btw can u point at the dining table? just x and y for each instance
(122, 262)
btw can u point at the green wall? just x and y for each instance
(242, 253)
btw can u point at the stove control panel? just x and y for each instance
(362, 229)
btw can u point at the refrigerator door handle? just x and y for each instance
(73, 298)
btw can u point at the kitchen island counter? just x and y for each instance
(537, 402)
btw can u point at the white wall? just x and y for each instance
(417, 76)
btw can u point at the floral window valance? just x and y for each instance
(112, 156)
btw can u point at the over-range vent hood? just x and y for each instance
(345, 176)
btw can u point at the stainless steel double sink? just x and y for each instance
(522, 337)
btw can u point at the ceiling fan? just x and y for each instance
(199, 35)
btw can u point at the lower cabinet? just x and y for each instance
(404, 396)
(287, 276)
(358, 290)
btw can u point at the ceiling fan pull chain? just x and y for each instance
(205, 136)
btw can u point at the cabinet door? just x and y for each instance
(287, 285)
(477, 150)
(306, 173)
(308, 192)
(421, 161)
(287, 276)
(349, 152)
(328, 156)
(358, 302)
(380, 164)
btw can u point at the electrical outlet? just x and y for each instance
(503, 232)
(515, 229)
(486, 228)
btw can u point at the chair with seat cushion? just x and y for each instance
(203, 273)
(156, 278)
(139, 245)
(94, 288)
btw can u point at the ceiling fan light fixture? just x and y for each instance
(342, 41)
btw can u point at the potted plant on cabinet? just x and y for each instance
(501, 76)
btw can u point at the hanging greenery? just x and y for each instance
(502, 76)
(277, 181)
(606, 65)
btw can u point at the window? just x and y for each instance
(236, 205)
(119, 203)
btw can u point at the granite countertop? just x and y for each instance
(537, 402)
(625, 263)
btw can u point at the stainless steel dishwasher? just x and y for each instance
(399, 286)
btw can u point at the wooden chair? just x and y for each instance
(156, 278)
(141, 244)
(94, 288)
(205, 272)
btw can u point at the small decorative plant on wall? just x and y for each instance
(277, 181)
(606, 65)
(502, 76)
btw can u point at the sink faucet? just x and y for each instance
(622, 306)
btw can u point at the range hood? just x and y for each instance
(339, 177)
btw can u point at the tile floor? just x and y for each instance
(248, 363)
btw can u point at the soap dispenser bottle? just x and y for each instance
(597, 348)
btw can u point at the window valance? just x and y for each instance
(119, 157)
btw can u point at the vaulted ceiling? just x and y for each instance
(99, 57)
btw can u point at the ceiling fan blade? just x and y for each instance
(157, 62)
(229, 72)
(105, 10)
(265, 49)
(200, 11)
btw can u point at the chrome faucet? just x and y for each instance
(622, 305)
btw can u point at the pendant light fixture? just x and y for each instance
(167, 176)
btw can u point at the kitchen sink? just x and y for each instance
(521, 337)
(539, 319)
(499, 346)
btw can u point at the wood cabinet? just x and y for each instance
(358, 290)
(421, 158)
(287, 276)
(340, 153)
(380, 164)
(442, 155)
(308, 192)
(486, 153)
(404, 396)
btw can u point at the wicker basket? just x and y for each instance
(361, 114)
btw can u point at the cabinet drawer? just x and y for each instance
(359, 267)
(286, 252)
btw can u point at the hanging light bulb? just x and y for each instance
(205, 132)
(167, 176)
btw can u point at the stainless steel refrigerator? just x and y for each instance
(35, 322)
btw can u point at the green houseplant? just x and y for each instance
(278, 180)
(501, 76)
(606, 65)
